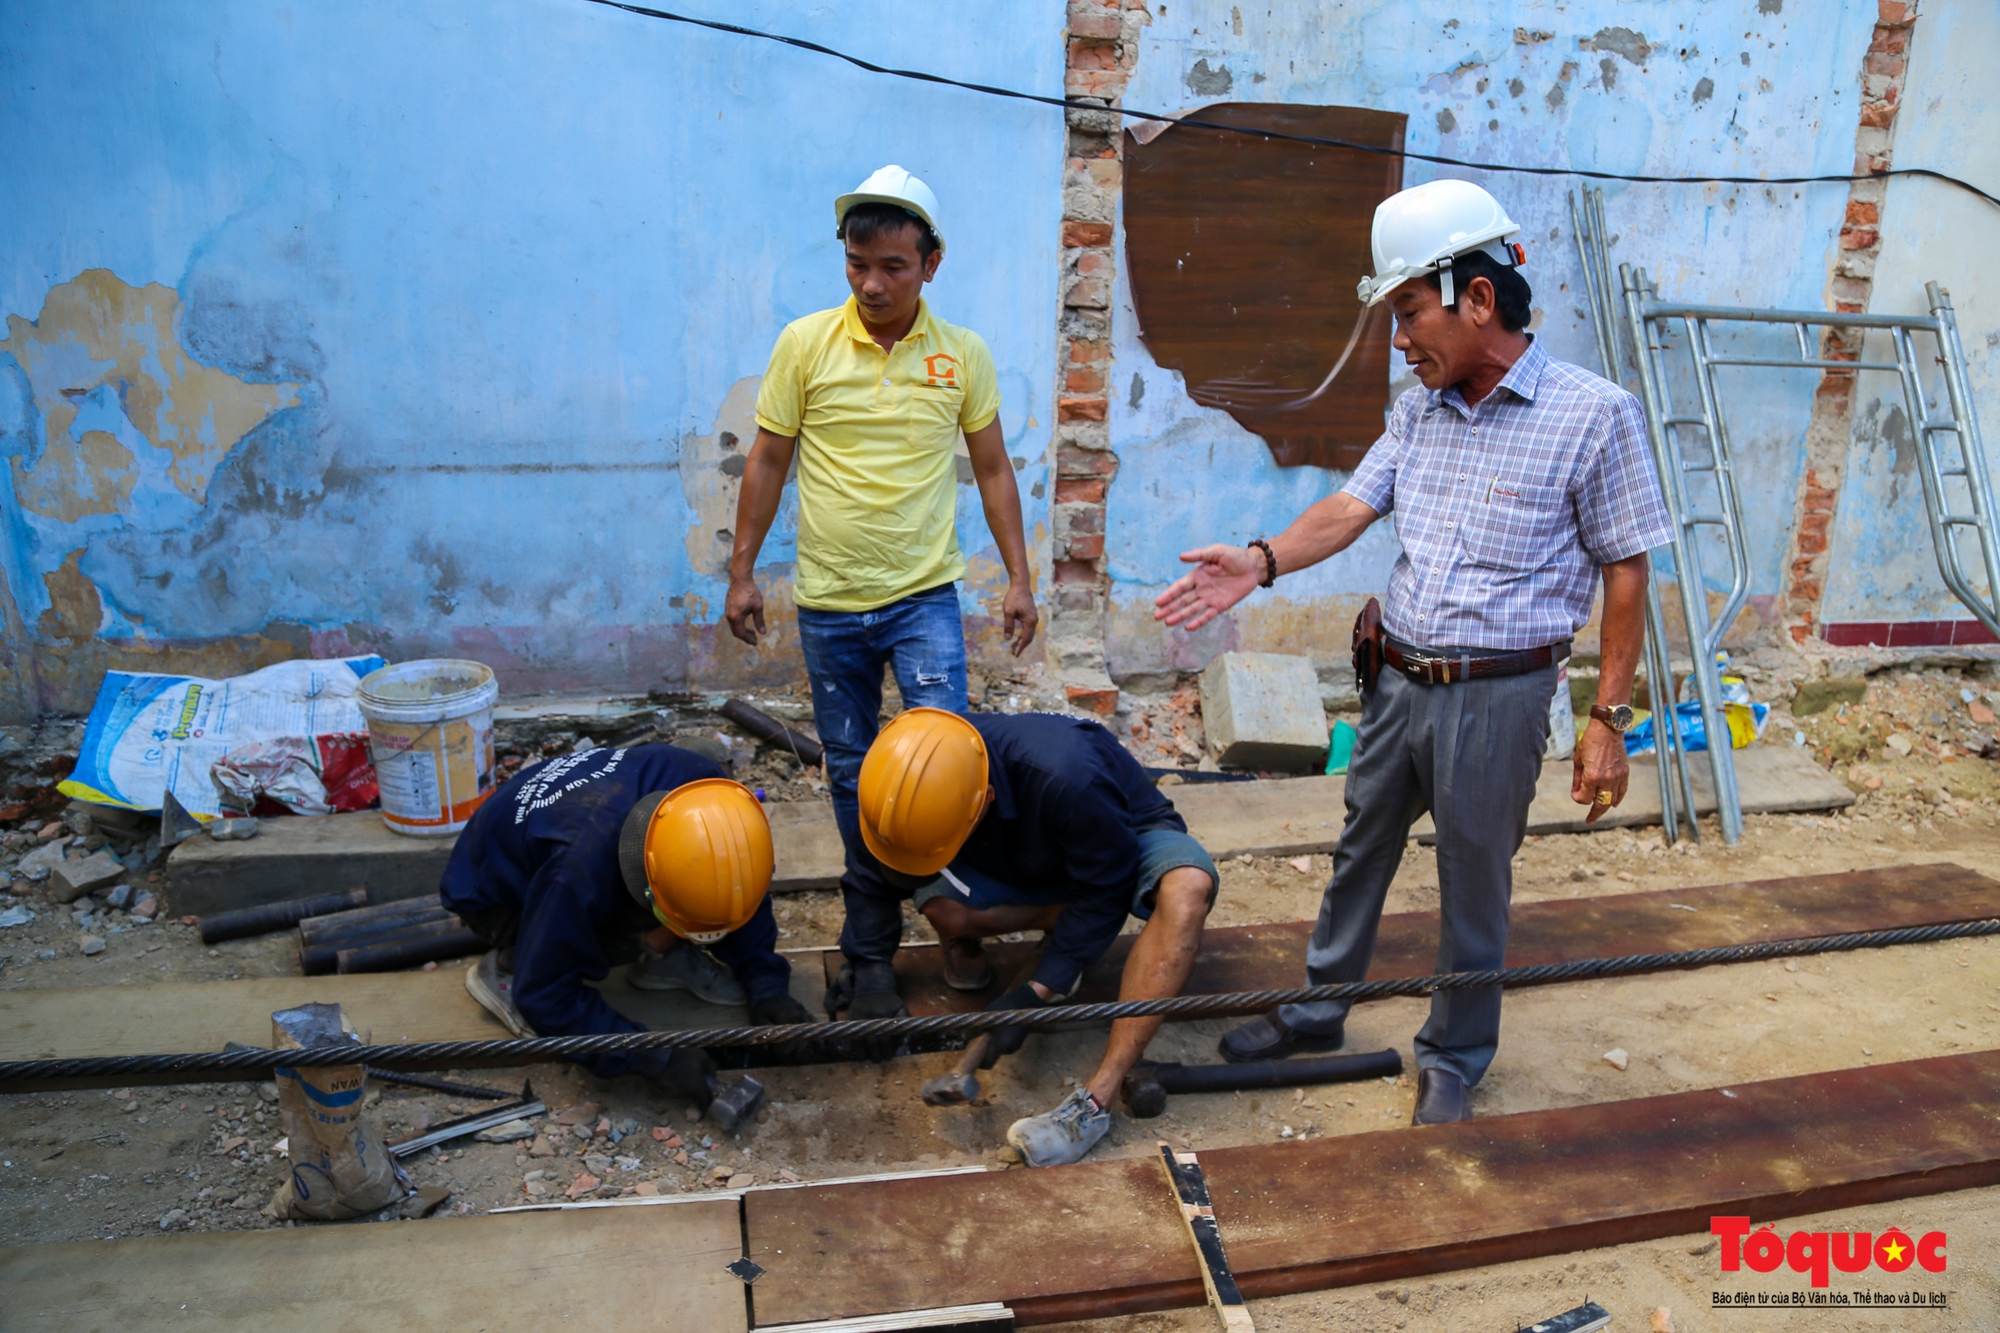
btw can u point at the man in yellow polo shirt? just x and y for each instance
(872, 397)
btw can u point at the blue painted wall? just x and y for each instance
(435, 296)
(1620, 85)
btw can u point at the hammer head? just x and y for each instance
(953, 1089)
(732, 1104)
(1144, 1097)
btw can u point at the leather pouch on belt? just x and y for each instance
(1368, 646)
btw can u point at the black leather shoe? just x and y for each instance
(1441, 1098)
(1269, 1038)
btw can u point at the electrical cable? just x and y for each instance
(1076, 104)
(247, 1063)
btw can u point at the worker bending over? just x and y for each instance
(997, 823)
(579, 863)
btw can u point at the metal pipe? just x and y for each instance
(809, 752)
(1147, 1087)
(332, 923)
(323, 954)
(269, 917)
(411, 951)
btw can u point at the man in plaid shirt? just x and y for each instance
(1517, 481)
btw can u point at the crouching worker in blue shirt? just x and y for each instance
(577, 864)
(995, 824)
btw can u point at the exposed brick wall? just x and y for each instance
(1849, 287)
(1102, 42)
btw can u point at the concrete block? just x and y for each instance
(1263, 711)
(72, 879)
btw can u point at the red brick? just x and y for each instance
(1088, 351)
(1093, 263)
(1895, 13)
(1080, 490)
(1088, 56)
(1074, 462)
(1812, 543)
(1076, 571)
(1861, 210)
(1076, 597)
(1815, 522)
(1088, 547)
(1891, 40)
(1800, 633)
(1088, 293)
(1105, 84)
(1102, 702)
(1080, 409)
(1086, 521)
(1096, 27)
(1076, 235)
(1806, 588)
(1819, 499)
(1083, 380)
(1859, 238)
(1879, 115)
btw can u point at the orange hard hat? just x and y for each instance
(923, 789)
(699, 856)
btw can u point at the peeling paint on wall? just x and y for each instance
(123, 407)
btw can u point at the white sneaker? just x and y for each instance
(689, 968)
(494, 989)
(1061, 1136)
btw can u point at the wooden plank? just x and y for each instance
(613, 1270)
(1244, 958)
(74, 1022)
(1093, 1240)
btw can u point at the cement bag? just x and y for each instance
(340, 1168)
(152, 734)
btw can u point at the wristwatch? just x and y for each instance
(1618, 717)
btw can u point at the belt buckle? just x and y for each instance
(1437, 670)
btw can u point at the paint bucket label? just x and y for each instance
(430, 730)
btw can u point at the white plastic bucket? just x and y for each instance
(430, 730)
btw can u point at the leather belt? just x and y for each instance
(1428, 668)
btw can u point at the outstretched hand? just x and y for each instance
(1222, 577)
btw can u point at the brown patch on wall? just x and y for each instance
(99, 330)
(1244, 254)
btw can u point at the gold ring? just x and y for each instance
(1604, 798)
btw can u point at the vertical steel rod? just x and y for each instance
(1687, 566)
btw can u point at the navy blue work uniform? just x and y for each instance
(541, 857)
(1073, 821)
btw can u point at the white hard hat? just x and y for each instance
(893, 185)
(1422, 229)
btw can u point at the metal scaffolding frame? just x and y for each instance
(1951, 510)
(1586, 212)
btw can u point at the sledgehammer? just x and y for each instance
(731, 1104)
(961, 1085)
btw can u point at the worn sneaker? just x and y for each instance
(965, 965)
(494, 989)
(1061, 1136)
(689, 968)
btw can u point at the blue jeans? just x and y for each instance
(922, 639)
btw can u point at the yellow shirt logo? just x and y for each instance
(941, 370)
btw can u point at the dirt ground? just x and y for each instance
(134, 1162)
